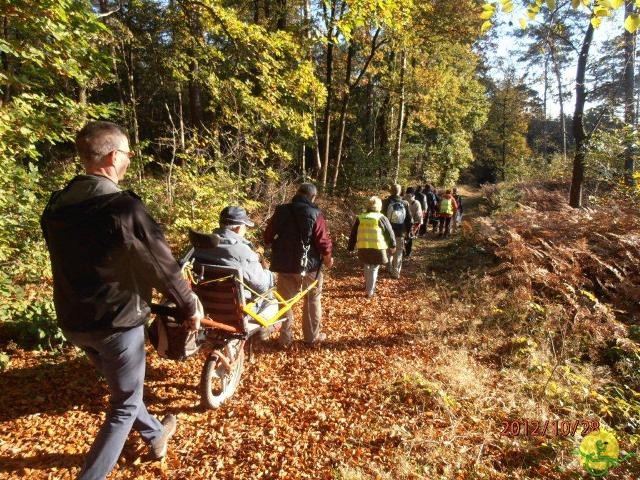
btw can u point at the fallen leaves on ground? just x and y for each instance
(405, 387)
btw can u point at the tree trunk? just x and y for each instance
(281, 22)
(195, 97)
(104, 8)
(132, 98)
(304, 162)
(382, 131)
(398, 149)
(329, 87)
(545, 133)
(503, 146)
(563, 122)
(370, 120)
(629, 101)
(577, 180)
(307, 33)
(327, 115)
(349, 87)
(181, 118)
(267, 9)
(5, 63)
(343, 113)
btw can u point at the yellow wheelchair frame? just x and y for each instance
(251, 307)
(224, 343)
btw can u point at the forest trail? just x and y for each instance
(395, 392)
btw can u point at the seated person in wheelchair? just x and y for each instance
(230, 248)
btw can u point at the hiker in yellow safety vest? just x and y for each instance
(372, 235)
(448, 208)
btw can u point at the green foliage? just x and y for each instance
(501, 145)
(192, 194)
(501, 199)
(605, 162)
(259, 83)
(50, 51)
(34, 325)
(449, 106)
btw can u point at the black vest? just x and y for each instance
(292, 230)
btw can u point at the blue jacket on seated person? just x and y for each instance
(231, 249)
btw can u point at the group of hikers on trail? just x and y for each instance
(386, 238)
(108, 254)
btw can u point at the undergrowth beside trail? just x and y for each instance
(532, 315)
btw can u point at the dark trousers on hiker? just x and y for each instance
(433, 219)
(423, 227)
(408, 241)
(120, 357)
(445, 225)
(408, 246)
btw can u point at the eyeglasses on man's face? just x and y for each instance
(128, 153)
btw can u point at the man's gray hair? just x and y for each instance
(309, 190)
(97, 139)
(395, 189)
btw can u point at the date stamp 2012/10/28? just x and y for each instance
(556, 428)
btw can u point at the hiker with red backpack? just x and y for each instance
(396, 209)
(447, 210)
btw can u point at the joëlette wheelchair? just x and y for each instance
(230, 324)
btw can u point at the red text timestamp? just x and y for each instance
(552, 428)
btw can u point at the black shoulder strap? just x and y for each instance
(307, 240)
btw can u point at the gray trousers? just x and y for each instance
(289, 284)
(120, 357)
(395, 262)
(370, 277)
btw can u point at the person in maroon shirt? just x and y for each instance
(300, 245)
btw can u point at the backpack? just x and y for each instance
(169, 338)
(396, 213)
(432, 200)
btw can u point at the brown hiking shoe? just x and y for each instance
(160, 444)
(319, 339)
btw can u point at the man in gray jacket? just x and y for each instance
(232, 249)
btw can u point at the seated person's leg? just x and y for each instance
(267, 309)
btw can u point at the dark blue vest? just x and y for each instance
(293, 229)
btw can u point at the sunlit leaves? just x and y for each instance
(373, 13)
(486, 14)
(600, 9)
(507, 6)
(632, 22)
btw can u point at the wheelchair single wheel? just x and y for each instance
(221, 376)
